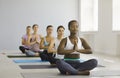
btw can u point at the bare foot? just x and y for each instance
(67, 73)
(36, 54)
(83, 73)
(53, 65)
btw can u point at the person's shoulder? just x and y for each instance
(43, 37)
(64, 39)
(53, 39)
(40, 36)
(82, 39)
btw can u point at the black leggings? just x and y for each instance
(73, 67)
(22, 49)
(45, 56)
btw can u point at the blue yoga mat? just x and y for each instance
(36, 60)
(81, 60)
(28, 61)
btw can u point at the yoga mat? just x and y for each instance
(55, 74)
(74, 59)
(40, 66)
(21, 56)
(36, 66)
(29, 61)
(32, 61)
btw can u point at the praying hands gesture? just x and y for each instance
(75, 45)
(37, 39)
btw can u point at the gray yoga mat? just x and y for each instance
(20, 56)
(56, 74)
(41, 66)
(36, 66)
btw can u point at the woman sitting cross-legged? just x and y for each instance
(46, 43)
(71, 47)
(25, 45)
(52, 48)
(34, 42)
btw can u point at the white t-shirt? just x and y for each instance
(57, 42)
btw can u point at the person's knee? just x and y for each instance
(29, 53)
(60, 66)
(20, 47)
(43, 56)
(58, 62)
(94, 62)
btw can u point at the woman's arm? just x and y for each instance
(87, 48)
(61, 47)
(42, 44)
(51, 48)
(23, 41)
(38, 39)
(41, 36)
(29, 41)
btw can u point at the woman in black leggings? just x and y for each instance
(50, 53)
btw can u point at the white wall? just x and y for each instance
(15, 15)
(105, 40)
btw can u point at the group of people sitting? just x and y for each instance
(64, 52)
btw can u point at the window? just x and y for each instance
(89, 15)
(116, 15)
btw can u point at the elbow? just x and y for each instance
(23, 44)
(41, 47)
(89, 51)
(49, 51)
(28, 43)
(60, 52)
